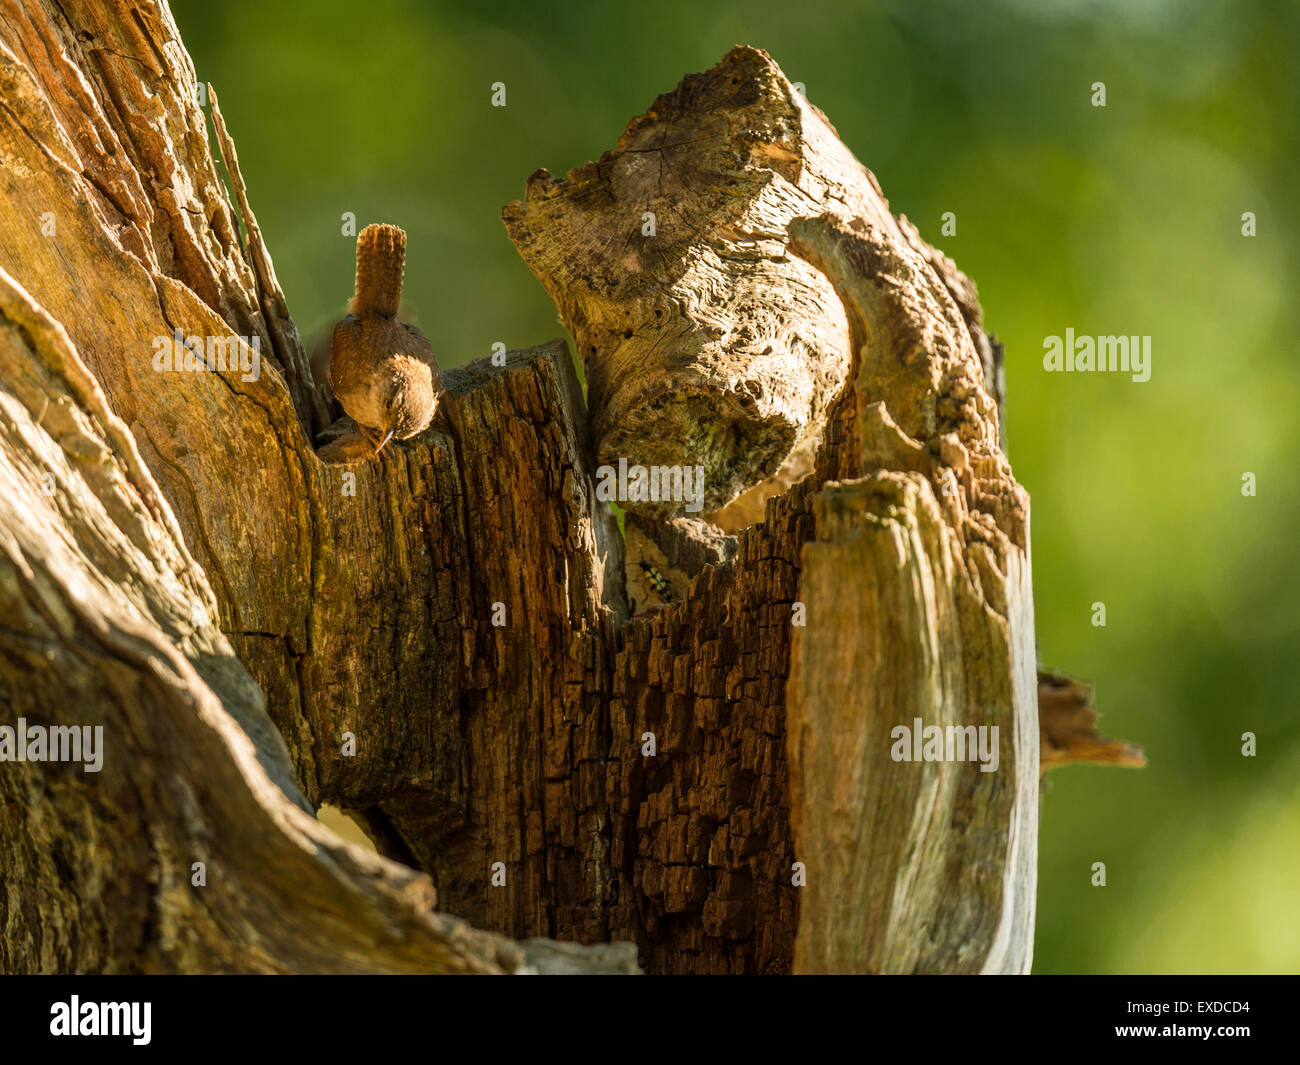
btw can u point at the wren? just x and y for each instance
(383, 370)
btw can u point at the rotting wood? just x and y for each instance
(361, 595)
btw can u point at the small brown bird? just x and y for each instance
(383, 370)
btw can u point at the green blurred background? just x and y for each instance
(1124, 219)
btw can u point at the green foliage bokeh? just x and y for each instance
(1124, 219)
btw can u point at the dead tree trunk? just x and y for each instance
(440, 640)
(777, 299)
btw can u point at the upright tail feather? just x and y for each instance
(381, 260)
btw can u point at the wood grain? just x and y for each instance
(229, 581)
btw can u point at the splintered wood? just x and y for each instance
(742, 297)
(439, 640)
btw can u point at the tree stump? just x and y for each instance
(440, 640)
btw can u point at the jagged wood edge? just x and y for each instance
(219, 783)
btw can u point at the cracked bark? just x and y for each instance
(785, 301)
(179, 503)
(231, 591)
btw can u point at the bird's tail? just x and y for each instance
(381, 259)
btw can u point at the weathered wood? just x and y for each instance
(459, 605)
(359, 594)
(914, 866)
(700, 337)
(1067, 726)
(106, 622)
(739, 169)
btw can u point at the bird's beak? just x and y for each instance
(387, 437)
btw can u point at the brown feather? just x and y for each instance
(381, 262)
